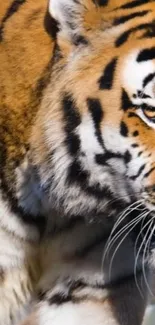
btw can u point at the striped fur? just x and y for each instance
(23, 73)
(77, 141)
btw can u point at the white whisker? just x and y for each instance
(130, 209)
(119, 233)
(141, 230)
(120, 243)
(144, 254)
(121, 218)
(137, 256)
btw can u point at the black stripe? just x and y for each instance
(60, 298)
(79, 176)
(98, 192)
(71, 114)
(136, 3)
(71, 287)
(126, 102)
(123, 129)
(124, 19)
(102, 3)
(71, 119)
(150, 32)
(149, 172)
(14, 7)
(146, 55)
(101, 159)
(124, 37)
(51, 25)
(74, 286)
(106, 80)
(97, 114)
(138, 174)
(149, 78)
(127, 157)
(140, 153)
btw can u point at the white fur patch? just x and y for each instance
(134, 73)
(86, 313)
(64, 11)
(57, 8)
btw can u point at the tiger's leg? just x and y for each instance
(122, 305)
(76, 288)
(19, 273)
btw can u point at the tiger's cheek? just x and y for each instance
(142, 149)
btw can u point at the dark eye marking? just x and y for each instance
(126, 102)
(135, 133)
(124, 19)
(135, 145)
(123, 129)
(97, 114)
(71, 119)
(106, 80)
(148, 79)
(146, 55)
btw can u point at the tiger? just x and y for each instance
(77, 161)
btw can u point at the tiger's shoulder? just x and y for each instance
(26, 50)
(27, 38)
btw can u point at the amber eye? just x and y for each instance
(150, 114)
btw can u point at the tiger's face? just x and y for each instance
(98, 115)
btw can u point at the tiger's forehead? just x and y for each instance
(138, 72)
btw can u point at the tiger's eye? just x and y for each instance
(150, 114)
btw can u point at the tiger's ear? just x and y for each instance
(70, 15)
